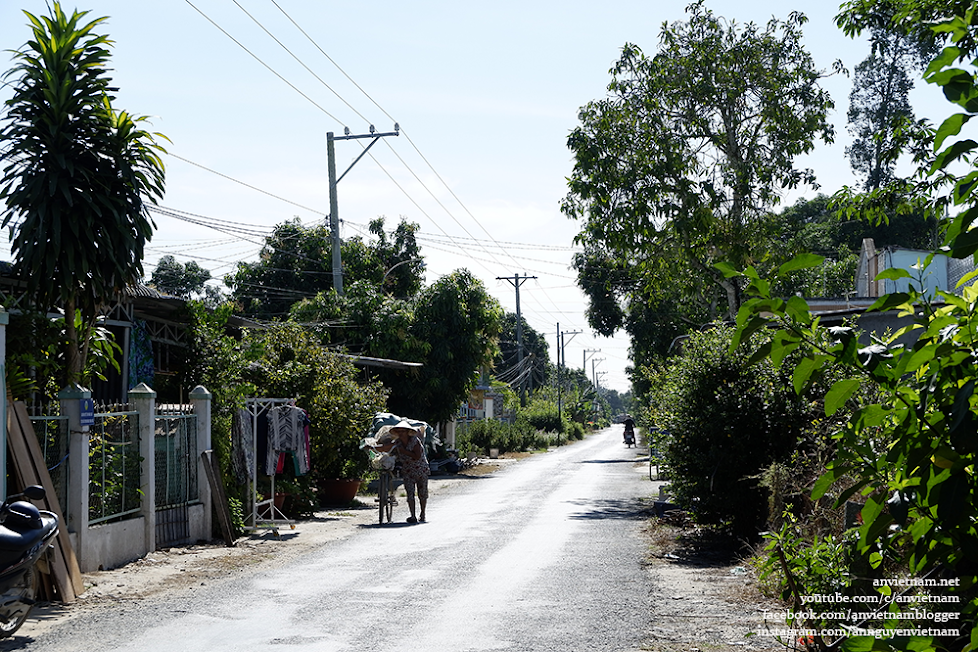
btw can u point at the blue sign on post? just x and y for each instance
(87, 408)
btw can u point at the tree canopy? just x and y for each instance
(451, 327)
(679, 167)
(179, 280)
(907, 453)
(296, 263)
(879, 103)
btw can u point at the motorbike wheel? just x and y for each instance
(16, 601)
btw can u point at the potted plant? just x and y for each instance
(339, 471)
(295, 496)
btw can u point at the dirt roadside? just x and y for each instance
(700, 601)
(704, 597)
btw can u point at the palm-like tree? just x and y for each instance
(76, 176)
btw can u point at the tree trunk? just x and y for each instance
(732, 288)
(73, 356)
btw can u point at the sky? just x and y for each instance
(485, 95)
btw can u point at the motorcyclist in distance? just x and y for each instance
(629, 430)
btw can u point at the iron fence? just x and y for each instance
(51, 429)
(175, 460)
(114, 474)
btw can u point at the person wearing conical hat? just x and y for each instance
(408, 447)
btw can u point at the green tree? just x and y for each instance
(451, 327)
(879, 102)
(459, 323)
(186, 281)
(294, 364)
(723, 421)
(814, 226)
(296, 263)
(677, 167)
(77, 176)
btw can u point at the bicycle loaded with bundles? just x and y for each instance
(408, 440)
(386, 483)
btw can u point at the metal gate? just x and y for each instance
(176, 473)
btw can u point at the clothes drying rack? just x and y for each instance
(264, 513)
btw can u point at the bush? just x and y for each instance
(575, 430)
(723, 422)
(506, 437)
(294, 364)
(543, 415)
(463, 442)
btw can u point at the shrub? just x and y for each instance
(294, 364)
(544, 415)
(506, 437)
(723, 421)
(575, 430)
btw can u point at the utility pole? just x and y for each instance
(334, 211)
(560, 395)
(584, 362)
(597, 378)
(516, 282)
(561, 358)
(594, 373)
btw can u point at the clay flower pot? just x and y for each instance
(337, 491)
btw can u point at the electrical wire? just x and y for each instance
(403, 162)
(264, 192)
(401, 159)
(300, 62)
(401, 188)
(256, 58)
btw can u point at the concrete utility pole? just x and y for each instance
(516, 281)
(594, 373)
(334, 211)
(561, 358)
(584, 362)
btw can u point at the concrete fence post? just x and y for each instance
(144, 402)
(200, 398)
(77, 508)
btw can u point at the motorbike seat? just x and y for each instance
(13, 542)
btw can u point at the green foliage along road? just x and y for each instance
(909, 456)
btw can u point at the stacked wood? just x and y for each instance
(27, 467)
(213, 472)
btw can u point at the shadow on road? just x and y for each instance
(459, 476)
(384, 526)
(637, 459)
(617, 508)
(18, 642)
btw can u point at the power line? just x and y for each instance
(403, 162)
(257, 22)
(256, 58)
(264, 192)
(303, 32)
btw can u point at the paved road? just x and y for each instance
(545, 555)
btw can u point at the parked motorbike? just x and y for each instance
(25, 535)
